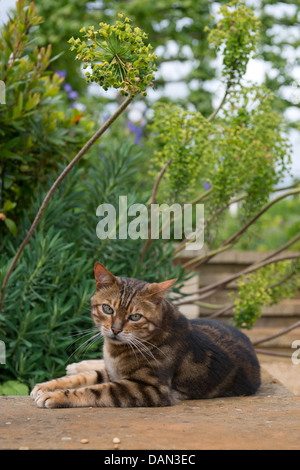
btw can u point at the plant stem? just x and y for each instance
(222, 311)
(228, 243)
(262, 211)
(212, 253)
(226, 308)
(280, 333)
(271, 353)
(249, 269)
(215, 112)
(192, 301)
(154, 191)
(181, 246)
(210, 306)
(54, 186)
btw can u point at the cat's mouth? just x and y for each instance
(118, 338)
(114, 338)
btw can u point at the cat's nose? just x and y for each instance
(115, 330)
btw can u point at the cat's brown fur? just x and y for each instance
(156, 360)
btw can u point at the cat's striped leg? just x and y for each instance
(86, 378)
(125, 394)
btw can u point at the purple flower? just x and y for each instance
(61, 73)
(206, 185)
(73, 95)
(68, 88)
(137, 130)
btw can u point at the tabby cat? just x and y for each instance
(153, 355)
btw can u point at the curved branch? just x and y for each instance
(222, 311)
(271, 353)
(154, 191)
(192, 301)
(54, 186)
(249, 269)
(280, 333)
(236, 199)
(237, 234)
(215, 112)
(262, 211)
(200, 258)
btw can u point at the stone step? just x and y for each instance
(267, 420)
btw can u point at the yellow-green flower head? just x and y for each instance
(117, 56)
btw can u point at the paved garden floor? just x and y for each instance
(268, 420)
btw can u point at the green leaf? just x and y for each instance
(13, 387)
(11, 226)
(8, 206)
(32, 101)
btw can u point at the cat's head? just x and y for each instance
(124, 308)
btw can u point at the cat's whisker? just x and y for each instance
(145, 348)
(131, 341)
(92, 330)
(87, 330)
(93, 340)
(132, 348)
(86, 344)
(142, 348)
(153, 345)
(83, 333)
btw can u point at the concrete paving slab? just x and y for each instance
(268, 420)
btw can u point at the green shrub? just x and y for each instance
(46, 314)
(37, 130)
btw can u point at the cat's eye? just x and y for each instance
(107, 309)
(135, 317)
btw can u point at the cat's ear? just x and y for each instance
(159, 289)
(103, 277)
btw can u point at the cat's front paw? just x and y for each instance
(41, 388)
(57, 399)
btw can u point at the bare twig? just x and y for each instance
(271, 353)
(271, 255)
(236, 235)
(155, 187)
(280, 333)
(188, 300)
(57, 182)
(199, 258)
(249, 269)
(222, 311)
(210, 306)
(236, 199)
(153, 196)
(283, 247)
(215, 112)
(228, 243)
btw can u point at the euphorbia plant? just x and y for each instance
(238, 154)
(120, 60)
(117, 56)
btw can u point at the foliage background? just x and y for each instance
(47, 303)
